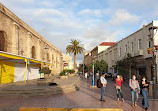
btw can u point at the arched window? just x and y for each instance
(33, 52)
(2, 41)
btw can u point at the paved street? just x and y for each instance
(86, 97)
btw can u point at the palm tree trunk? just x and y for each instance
(74, 61)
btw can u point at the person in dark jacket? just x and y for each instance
(145, 91)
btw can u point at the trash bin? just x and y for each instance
(151, 89)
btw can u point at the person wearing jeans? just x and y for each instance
(118, 84)
(104, 83)
(135, 89)
(145, 90)
(134, 94)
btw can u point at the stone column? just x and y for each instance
(15, 38)
(38, 50)
(29, 42)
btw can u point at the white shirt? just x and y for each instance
(103, 81)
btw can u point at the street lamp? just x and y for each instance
(153, 50)
(93, 82)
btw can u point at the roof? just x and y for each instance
(107, 43)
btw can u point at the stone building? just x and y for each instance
(17, 37)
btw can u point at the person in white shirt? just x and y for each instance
(104, 83)
(86, 75)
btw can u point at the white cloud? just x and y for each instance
(143, 23)
(98, 35)
(60, 20)
(122, 16)
(89, 12)
(94, 12)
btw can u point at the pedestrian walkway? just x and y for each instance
(86, 97)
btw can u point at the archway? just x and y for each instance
(33, 52)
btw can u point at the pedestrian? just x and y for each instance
(145, 91)
(135, 89)
(86, 75)
(97, 76)
(118, 84)
(104, 83)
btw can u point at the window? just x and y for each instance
(53, 60)
(33, 52)
(139, 44)
(56, 61)
(125, 48)
(149, 44)
(48, 58)
(2, 41)
(132, 46)
(120, 52)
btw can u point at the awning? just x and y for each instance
(8, 57)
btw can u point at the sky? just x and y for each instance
(89, 21)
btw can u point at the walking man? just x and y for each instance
(104, 83)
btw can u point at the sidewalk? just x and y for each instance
(86, 97)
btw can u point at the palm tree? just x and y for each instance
(75, 48)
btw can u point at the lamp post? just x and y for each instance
(93, 82)
(153, 50)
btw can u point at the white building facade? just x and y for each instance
(135, 44)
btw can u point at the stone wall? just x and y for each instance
(22, 40)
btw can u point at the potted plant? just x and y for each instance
(149, 51)
(63, 74)
(71, 72)
(46, 71)
(46, 80)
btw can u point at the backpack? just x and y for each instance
(99, 84)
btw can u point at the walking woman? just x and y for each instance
(118, 84)
(135, 89)
(145, 90)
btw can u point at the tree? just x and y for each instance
(89, 67)
(100, 66)
(103, 66)
(121, 67)
(74, 48)
(124, 66)
(96, 66)
(130, 61)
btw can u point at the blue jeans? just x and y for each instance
(102, 92)
(145, 94)
(134, 95)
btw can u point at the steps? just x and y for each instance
(42, 91)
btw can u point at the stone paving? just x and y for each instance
(86, 97)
